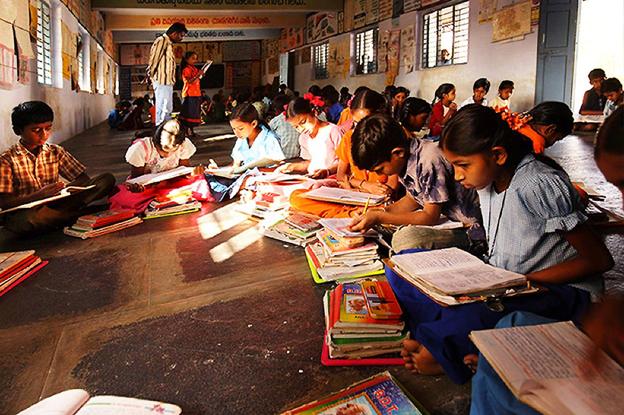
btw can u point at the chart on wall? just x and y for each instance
(236, 51)
(385, 9)
(410, 5)
(393, 56)
(511, 22)
(382, 51)
(134, 54)
(320, 26)
(408, 48)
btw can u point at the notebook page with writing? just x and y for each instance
(338, 195)
(541, 365)
(152, 178)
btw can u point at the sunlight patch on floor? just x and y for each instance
(222, 219)
(235, 244)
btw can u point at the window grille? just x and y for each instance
(445, 36)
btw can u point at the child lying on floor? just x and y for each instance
(31, 170)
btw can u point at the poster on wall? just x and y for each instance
(410, 5)
(372, 11)
(348, 15)
(198, 48)
(212, 52)
(343, 57)
(511, 22)
(249, 50)
(331, 59)
(134, 54)
(273, 65)
(33, 19)
(385, 9)
(487, 9)
(408, 48)
(320, 26)
(394, 45)
(382, 51)
(535, 12)
(179, 49)
(306, 55)
(359, 13)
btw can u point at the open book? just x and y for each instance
(152, 178)
(541, 365)
(206, 66)
(344, 196)
(67, 191)
(452, 276)
(78, 402)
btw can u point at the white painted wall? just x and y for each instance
(74, 111)
(496, 61)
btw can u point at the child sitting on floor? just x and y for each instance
(413, 117)
(443, 110)
(546, 124)
(534, 225)
(479, 90)
(167, 149)
(593, 100)
(31, 170)
(612, 90)
(256, 144)
(332, 103)
(379, 144)
(502, 101)
(397, 96)
(318, 140)
(349, 176)
(287, 136)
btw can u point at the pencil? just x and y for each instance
(366, 206)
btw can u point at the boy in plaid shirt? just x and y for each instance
(31, 170)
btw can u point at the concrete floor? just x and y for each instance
(196, 309)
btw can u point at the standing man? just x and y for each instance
(161, 70)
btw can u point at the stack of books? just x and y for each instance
(15, 267)
(175, 203)
(363, 320)
(264, 205)
(101, 223)
(295, 229)
(341, 254)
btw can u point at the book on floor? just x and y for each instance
(545, 366)
(85, 233)
(344, 196)
(303, 222)
(152, 178)
(339, 227)
(451, 276)
(285, 232)
(101, 219)
(16, 267)
(378, 395)
(65, 192)
(177, 209)
(78, 402)
(325, 268)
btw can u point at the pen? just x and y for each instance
(366, 206)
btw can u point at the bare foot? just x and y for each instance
(419, 360)
(471, 360)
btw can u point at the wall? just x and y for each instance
(74, 111)
(496, 61)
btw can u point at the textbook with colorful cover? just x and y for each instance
(15, 267)
(65, 192)
(451, 276)
(78, 402)
(325, 268)
(547, 367)
(344, 196)
(85, 233)
(285, 232)
(176, 209)
(378, 395)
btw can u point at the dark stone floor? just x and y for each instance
(196, 310)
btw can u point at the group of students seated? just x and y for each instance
(480, 165)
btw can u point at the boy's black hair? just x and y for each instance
(30, 112)
(369, 100)
(481, 83)
(476, 129)
(315, 90)
(344, 90)
(374, 138)
(330, 95)
(596, 74)
(610, 137)
(442, 90)
(611, 85)
(279, 102)
(245, 112)
(177, 27)
(413, 106)
(506, 84)
(398, 90)
(553, 113)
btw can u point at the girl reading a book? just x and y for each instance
(349, 176)
(167, 149)
(534, 226)
(191, 92)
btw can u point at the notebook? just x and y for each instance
(344, 196)
(541, 365)
(67, 191)
(152, 178)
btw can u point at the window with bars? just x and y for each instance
(445, 36)
(80, 58)
(320, 53)
(44, 50)
(366, 51)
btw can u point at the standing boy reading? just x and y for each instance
(31, 170)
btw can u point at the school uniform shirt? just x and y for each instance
(162, 64)
(287, 136)
(525, 223)
(143, 153)
(472, 101)
(429, 178)
(334, 112)
(265, 146)
(500, 104)
(609, 108)
(592, 101)
(438, 112)
(22, 173)
(321, 150)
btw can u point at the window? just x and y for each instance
(366, 51)
(80, 59)
(44, 52)
(319, 60)
(445, 36)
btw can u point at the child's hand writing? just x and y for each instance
(364, 222)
